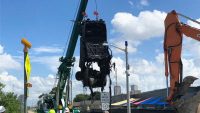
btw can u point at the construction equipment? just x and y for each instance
(93, 35)
(46, 101)
(174, 30)
(68, 61)
(92, 50)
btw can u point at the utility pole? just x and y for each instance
(26, 46)
(127, 72)
(116, 76)
(127, 79)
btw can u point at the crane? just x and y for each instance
(66, 64)
(92, 36)
(68, 61)
(174, 30)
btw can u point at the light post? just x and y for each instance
(127, 74)
(27, 45)
(127, 79)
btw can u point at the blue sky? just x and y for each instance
(46, 24)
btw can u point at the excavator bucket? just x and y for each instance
(187, 82)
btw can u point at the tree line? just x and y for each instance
(83, 97)
(9, 101)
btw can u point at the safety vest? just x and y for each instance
(52, 111)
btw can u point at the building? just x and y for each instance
(134, 90)
(117, 90)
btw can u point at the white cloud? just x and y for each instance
(47, 49)
(139, 5)
(7, 61)
(144, 2)
(191, 69)
(149, 75)
(77, 87)
(1, 49)
(191, 47)
(191, 50)
(39, 85)
(131, 3)
(135, 29)
(121, 45)
(52, 62)
(144, 67)
(193, 24)
(144, 26)
(11, 82)
(142, 73)
(160, 58)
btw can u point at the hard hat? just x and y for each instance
(2, 109)
(60, 107)
(67, 110)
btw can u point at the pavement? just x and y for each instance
(29, 111)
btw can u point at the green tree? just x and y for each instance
(96, 96)
(81, 97)
(9, 101)
(1, 92)
(1, 87)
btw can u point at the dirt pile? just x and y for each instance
(189, 104)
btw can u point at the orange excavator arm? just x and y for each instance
(174, 31)
(190, 31)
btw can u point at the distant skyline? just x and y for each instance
(47, 25)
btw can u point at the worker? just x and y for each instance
(60, 108)
(67, 110)
(52, 110)
(76, 110)
(2, 109)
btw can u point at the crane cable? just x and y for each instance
(188, 18)
(96, 10)
(96, 6)
(65, 48)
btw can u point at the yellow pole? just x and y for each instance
(26, 46)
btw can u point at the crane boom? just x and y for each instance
(67, 61)
(174, 31)
(75, 31)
